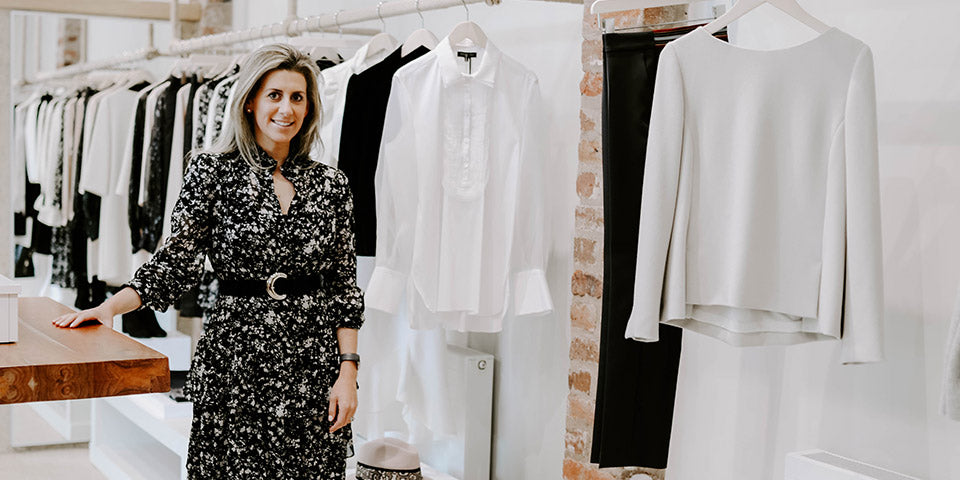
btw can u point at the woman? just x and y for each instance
(273, 393)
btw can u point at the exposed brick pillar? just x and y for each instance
(586, 283)
(217, 17)
(70, 41)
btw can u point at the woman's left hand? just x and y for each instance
(343, 397)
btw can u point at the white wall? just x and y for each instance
(739, 411)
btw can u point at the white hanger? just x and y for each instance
(467, 34)
(791, 7)
(381, 41)
(419, 38)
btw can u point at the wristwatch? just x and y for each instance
(350, 357)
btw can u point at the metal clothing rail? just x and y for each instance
(318, 23)
(85, 67)
(293, 26)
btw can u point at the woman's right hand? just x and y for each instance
(74, 319)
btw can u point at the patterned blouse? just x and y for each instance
(265, 355)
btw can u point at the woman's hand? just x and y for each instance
(74, 319)
(343, 397)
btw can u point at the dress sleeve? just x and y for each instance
(862, 338)
(347, 298)
(178, 263)
(531, 293)
(396, 187)
(659, 201)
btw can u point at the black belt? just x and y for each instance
(277, 286)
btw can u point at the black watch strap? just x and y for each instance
(350, 357)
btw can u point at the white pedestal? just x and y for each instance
(128, 442)
(49, 423)
(821, 465)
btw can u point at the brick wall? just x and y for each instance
(70, 33)
(586, 283)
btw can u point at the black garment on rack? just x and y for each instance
(188, 121)
(325, 63)
(637, 381)
(161, 143)
(364, 111)
(133, 207)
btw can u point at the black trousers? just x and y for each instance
(637, 381)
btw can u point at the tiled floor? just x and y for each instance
(43, 463)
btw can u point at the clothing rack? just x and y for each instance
(324, 22)
(292, 26)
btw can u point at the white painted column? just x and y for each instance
(6, 147)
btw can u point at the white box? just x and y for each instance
(821, 465)
(9, 293)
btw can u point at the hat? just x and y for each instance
(388, 459)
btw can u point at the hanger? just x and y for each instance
(419, 38)
(318, 48)
(467, 34)
(791, 7)
(381, 41)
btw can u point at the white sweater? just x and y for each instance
(760, 220)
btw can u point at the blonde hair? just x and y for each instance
(238, 134)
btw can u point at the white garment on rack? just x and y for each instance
(30, 140)
(950, 396)
(333, 96)
(460, 207)
(760, 221)
(20, 156)
(47, 206)
(90, 167)
(226, 112)
(73, 128)
(110, 143)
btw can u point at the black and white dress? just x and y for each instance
(263, 368)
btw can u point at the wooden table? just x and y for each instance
(50, 363)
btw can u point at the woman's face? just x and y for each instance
(278, 109)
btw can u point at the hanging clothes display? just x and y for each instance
(460, 222)
(636, 382)
(365, 105)
(760, 218)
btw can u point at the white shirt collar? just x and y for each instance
(486, 73)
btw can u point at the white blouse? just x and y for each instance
(460, 203)
(100, 176)
(760, 217)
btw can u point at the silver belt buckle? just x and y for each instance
(270, 285)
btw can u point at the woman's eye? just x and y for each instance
(273, 95)
(297, 97)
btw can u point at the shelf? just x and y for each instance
(123, 431)
(173, 434)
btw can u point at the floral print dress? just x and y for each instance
(263, 368)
